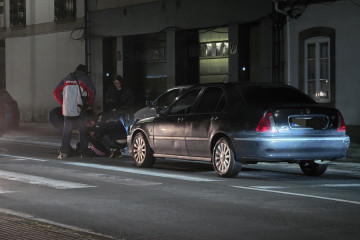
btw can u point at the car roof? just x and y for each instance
(244, 84)
(241, 84)
(180, 87)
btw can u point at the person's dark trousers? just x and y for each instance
(71, 123)
(109, 143)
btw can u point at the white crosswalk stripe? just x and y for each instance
(5, 191)
(31, 179)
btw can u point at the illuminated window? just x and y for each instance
(17, 13)
(65, 10)
(214, 55)
(317, 68)
(214, 49)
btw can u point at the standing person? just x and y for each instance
(70, 93)
(120, 99)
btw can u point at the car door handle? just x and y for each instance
(180, 119)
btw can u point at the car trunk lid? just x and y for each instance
(307, 120)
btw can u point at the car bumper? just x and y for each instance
(296, 148)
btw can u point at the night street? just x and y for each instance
(179, 199)
(179, 120)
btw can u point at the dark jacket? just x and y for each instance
(122, 99)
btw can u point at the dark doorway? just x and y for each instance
(109, 65)
(145, 66)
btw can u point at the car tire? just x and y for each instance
(311, 168)
(141, 152)
(223, 159)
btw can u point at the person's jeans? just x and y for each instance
(69, 124)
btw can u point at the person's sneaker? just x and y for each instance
(115, 153)
(63, 155)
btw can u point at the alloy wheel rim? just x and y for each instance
(139, 150)
(222, 157)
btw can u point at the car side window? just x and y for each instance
(185, 103)
(167, 98)
(222, 103)
(213, 100)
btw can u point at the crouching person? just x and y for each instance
(106, 138)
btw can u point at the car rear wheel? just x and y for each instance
(142, 152)
(311, 168)
(224, 159)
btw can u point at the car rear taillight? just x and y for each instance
(341, 123)
(267, 124)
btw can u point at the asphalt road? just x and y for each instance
(179, 199)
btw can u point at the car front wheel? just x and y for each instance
(223, 159)
(141, 152)
(312, 168)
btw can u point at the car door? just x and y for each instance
(203, 121)
(169, 128)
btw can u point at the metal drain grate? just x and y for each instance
(16, 228)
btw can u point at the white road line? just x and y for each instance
(31, 179)
(147, 172)
(31, 142)
(4, 191)
(337, 185)
(14, 157)
(143, 172)
(333, 185)
(269, 187)
(298, 194)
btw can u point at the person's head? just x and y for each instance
(118, 82)
(81, 68)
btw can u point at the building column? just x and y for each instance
(239, 53)
(171, 57)
(96, 72)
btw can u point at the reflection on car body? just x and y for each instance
(161, 101)
(234, 123)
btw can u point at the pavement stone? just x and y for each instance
(13, 227)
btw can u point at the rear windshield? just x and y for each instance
(271, 94)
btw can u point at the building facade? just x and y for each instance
(325, 54)
(41, 42)
(157, 44)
